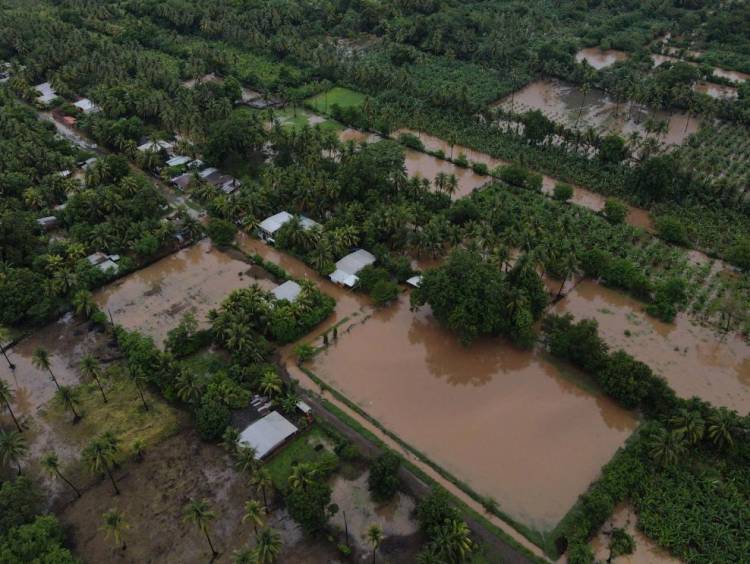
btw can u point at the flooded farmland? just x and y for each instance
(600, 58)
(538, 438)
(691, 358)
(565, 103)
(196, 279)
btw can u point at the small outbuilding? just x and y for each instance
(348, 267)
(48, 223)
(269, 226)
(87, 106)
(178, 160)
(156, 146)
(415, 281)
(47, 94)
(267, 434)
(289, 291)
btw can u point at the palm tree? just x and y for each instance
(139, 379)
(666, 447)
(51, 464)
(244, 555)
(115, 525)
(262, 482)
(267, 547)
(374, 537)
(13, 448)
(41, 360)
(720, 427)
(91, 369)
(5, 336)
(453, 541)
(246, 459)
(270, 384)
(100, 454)
(69, 397)
(231, 439)
(302, 475)
(6, 396)
(255, 514)
(189, 386)
(199, 512)
(84, 304)
(689, 423)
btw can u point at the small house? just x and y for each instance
(269, 226)
(87, 106)
(288, 291)
(415, 281)
(178, 160)
(47, 94)
(182, 181)
(48, 223)
(105, 263)
(348, 267)
(267, 434)
(156, 146)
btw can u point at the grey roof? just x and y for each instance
(289, 290)
(356, 261)
(46, 92)
(178, 160)
(272, 224)
(87, 106)
(267, 433)
(415, 281)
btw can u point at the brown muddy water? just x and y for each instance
(646, 551)
(564, 102)
(692, 358)
(600, 58)
(581, 196)
(509, 423)
(718, 91)
(196, 279)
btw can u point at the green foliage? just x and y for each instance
(672, 229)
(39, 541)
(383, 480)
(384, 291)
(621, 543)
(434, 510)
(222, 232)
(20, 501)
(411, 141)
(308, 506)
(211, 419)
(615, 211)
(562, 192)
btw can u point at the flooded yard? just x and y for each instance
(600, 58)
(537, 439)
(196, 279)
(566, 104)
(692, 358)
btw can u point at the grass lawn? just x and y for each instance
(123, 414)
(301, 449)
(344, 97)
(299, 119)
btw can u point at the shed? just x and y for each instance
(348, 267)
(156, 146)
(415, 281)
(183, 181)
(47, 94)
(87, 106)
(267, 434)
(178, 160)
(289, 291)
(303, 407)
(269, 226)
(48, 223)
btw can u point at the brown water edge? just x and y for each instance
(719, 91)
(563, 102)
(637, 217)
(195, 279)
(646, 550)
(507, 422)
(600, 58)
(692, 358)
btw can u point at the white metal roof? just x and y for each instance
(87, 106)
(272, 224)
(178, 160)
(341, 277)
(206, 172)
(356, 261)
(156, 146)
(303, 407)
(46, 92)
(267, 433)
(289, 290)
(415, 281)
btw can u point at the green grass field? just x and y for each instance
(297, 120)
(344, 97)
(300, 449)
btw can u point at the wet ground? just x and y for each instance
(154, 493)
(600, 58)
(509, 423)
(196, 279)
(646, 551)
(565, 103)
(693, 359)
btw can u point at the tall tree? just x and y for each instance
(254, 514)
(199, 512)
(91, 369)
(4, 337)
(375, 538)
(51, 464)
(268, 546)
(100, 455)
(6, 397)
(40, 359)
(262, 482)
(13, 448)
(68, 397)
(115, 525)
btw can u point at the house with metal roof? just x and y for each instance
(87, 106)
(348, 267)
(269, 226)
(47, 94)
(289, 291)
(267, 434)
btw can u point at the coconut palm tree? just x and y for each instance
(255, 514)
(689, 423)
(51, 464)
(666, 447)
(114, 526)
(270, 384)
(267, 547)
(262, 482)
(91, 369)
(139, 379)
(721, 427)
(231, 439)
(4, 337)
(244, 555)
(6, 396)
(302, 475)
(100, 454)
(69, 398)
(375, 537)
(189, 386)
(199, 512)
(83, 303)
(41, 360)
(13, 448)
(246, 459)
(453, 541)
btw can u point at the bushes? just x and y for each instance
(211, 418)
(385, 291)
(562, 192)
(377, 282)
(672, 230)
(625, 379)
(307, 505)
(516, 175)
(222, 232)
(383, 479)
(615, 211)
(411, 141)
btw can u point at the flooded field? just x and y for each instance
(196, 279)
(734, 76)
(581, 196)
(529, 423)
(718, 91)
(646, 551)
(565, 103)
(600, 58)
(692, 358)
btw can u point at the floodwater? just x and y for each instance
(581, 196)
(600, 58)
(358, 136)
(507, 422)
(154, 299)
(646, 551)
(718, 91)
(691, 358)
(564, 103)
(734, 76)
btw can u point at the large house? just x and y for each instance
(348, 267)
(269, 226)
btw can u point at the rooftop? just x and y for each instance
(46, 92)
(289, 291)
(267, 434)
(87, 106)
(356, 261)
